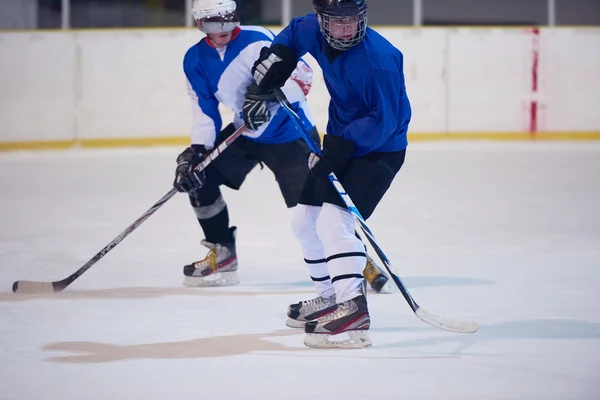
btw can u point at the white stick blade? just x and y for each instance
(31, 287)
(446, 323)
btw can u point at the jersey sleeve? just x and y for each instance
(303, 76)
(384, 92)
(300, 35)
(205, 109)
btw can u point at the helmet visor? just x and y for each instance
(219, 24)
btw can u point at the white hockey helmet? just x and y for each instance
(215, 16)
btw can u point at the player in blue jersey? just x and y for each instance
(365, 146)
(218, 72)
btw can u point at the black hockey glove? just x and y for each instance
(274, 66)
(256, 107)
(337, 151)
(186, 178)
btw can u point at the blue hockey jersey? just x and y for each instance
(369, 104)
(221, 76)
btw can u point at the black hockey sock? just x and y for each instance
(216, 229)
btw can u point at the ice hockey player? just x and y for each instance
(364, 145)
(218, 72)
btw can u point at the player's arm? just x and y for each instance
(385, 95)
(205, 112)
(302, 76)
(277, 62)
(256, 107)
(206, 117)
(206, 123)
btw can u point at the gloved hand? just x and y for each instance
(274, 66)
(255, 111)
(337, 151)
(186, 178)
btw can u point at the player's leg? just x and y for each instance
(375, 275)
(219, 267)
(345, 258)
(366, 180)
(305, 231)
(288, 162)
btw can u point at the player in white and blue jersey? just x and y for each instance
(217, 69)
(365, 146)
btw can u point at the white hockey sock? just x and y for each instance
(345, 253)
(304, 228)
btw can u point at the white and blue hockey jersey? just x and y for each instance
(222, 75)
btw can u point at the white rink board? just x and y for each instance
(103, 84)
(38, 75)
(571, 81)
(489, 93)
(425, 70)
(133, 83)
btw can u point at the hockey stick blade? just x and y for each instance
(446, 323)
(452, 325)
(33, 287)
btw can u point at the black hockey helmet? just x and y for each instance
(343, 23)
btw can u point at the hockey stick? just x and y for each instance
(58, 286)
(425, 316)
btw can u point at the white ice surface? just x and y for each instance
(507, 234)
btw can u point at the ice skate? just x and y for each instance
(378, 280)
(300, 313)
(351, 317)
(218, 268)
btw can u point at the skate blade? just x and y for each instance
(292, 323)
(356, 340)
(214, 280)
(388, 288)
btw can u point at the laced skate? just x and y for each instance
(218, 268)
(378, 280)
(351, 317)
(300, 313)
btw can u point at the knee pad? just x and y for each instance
(206, 210)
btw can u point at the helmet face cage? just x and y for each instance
(219, 23)
(343, 27)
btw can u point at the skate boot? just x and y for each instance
(351, 317)
(300, 313)
(378, 280)
(218, 268)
